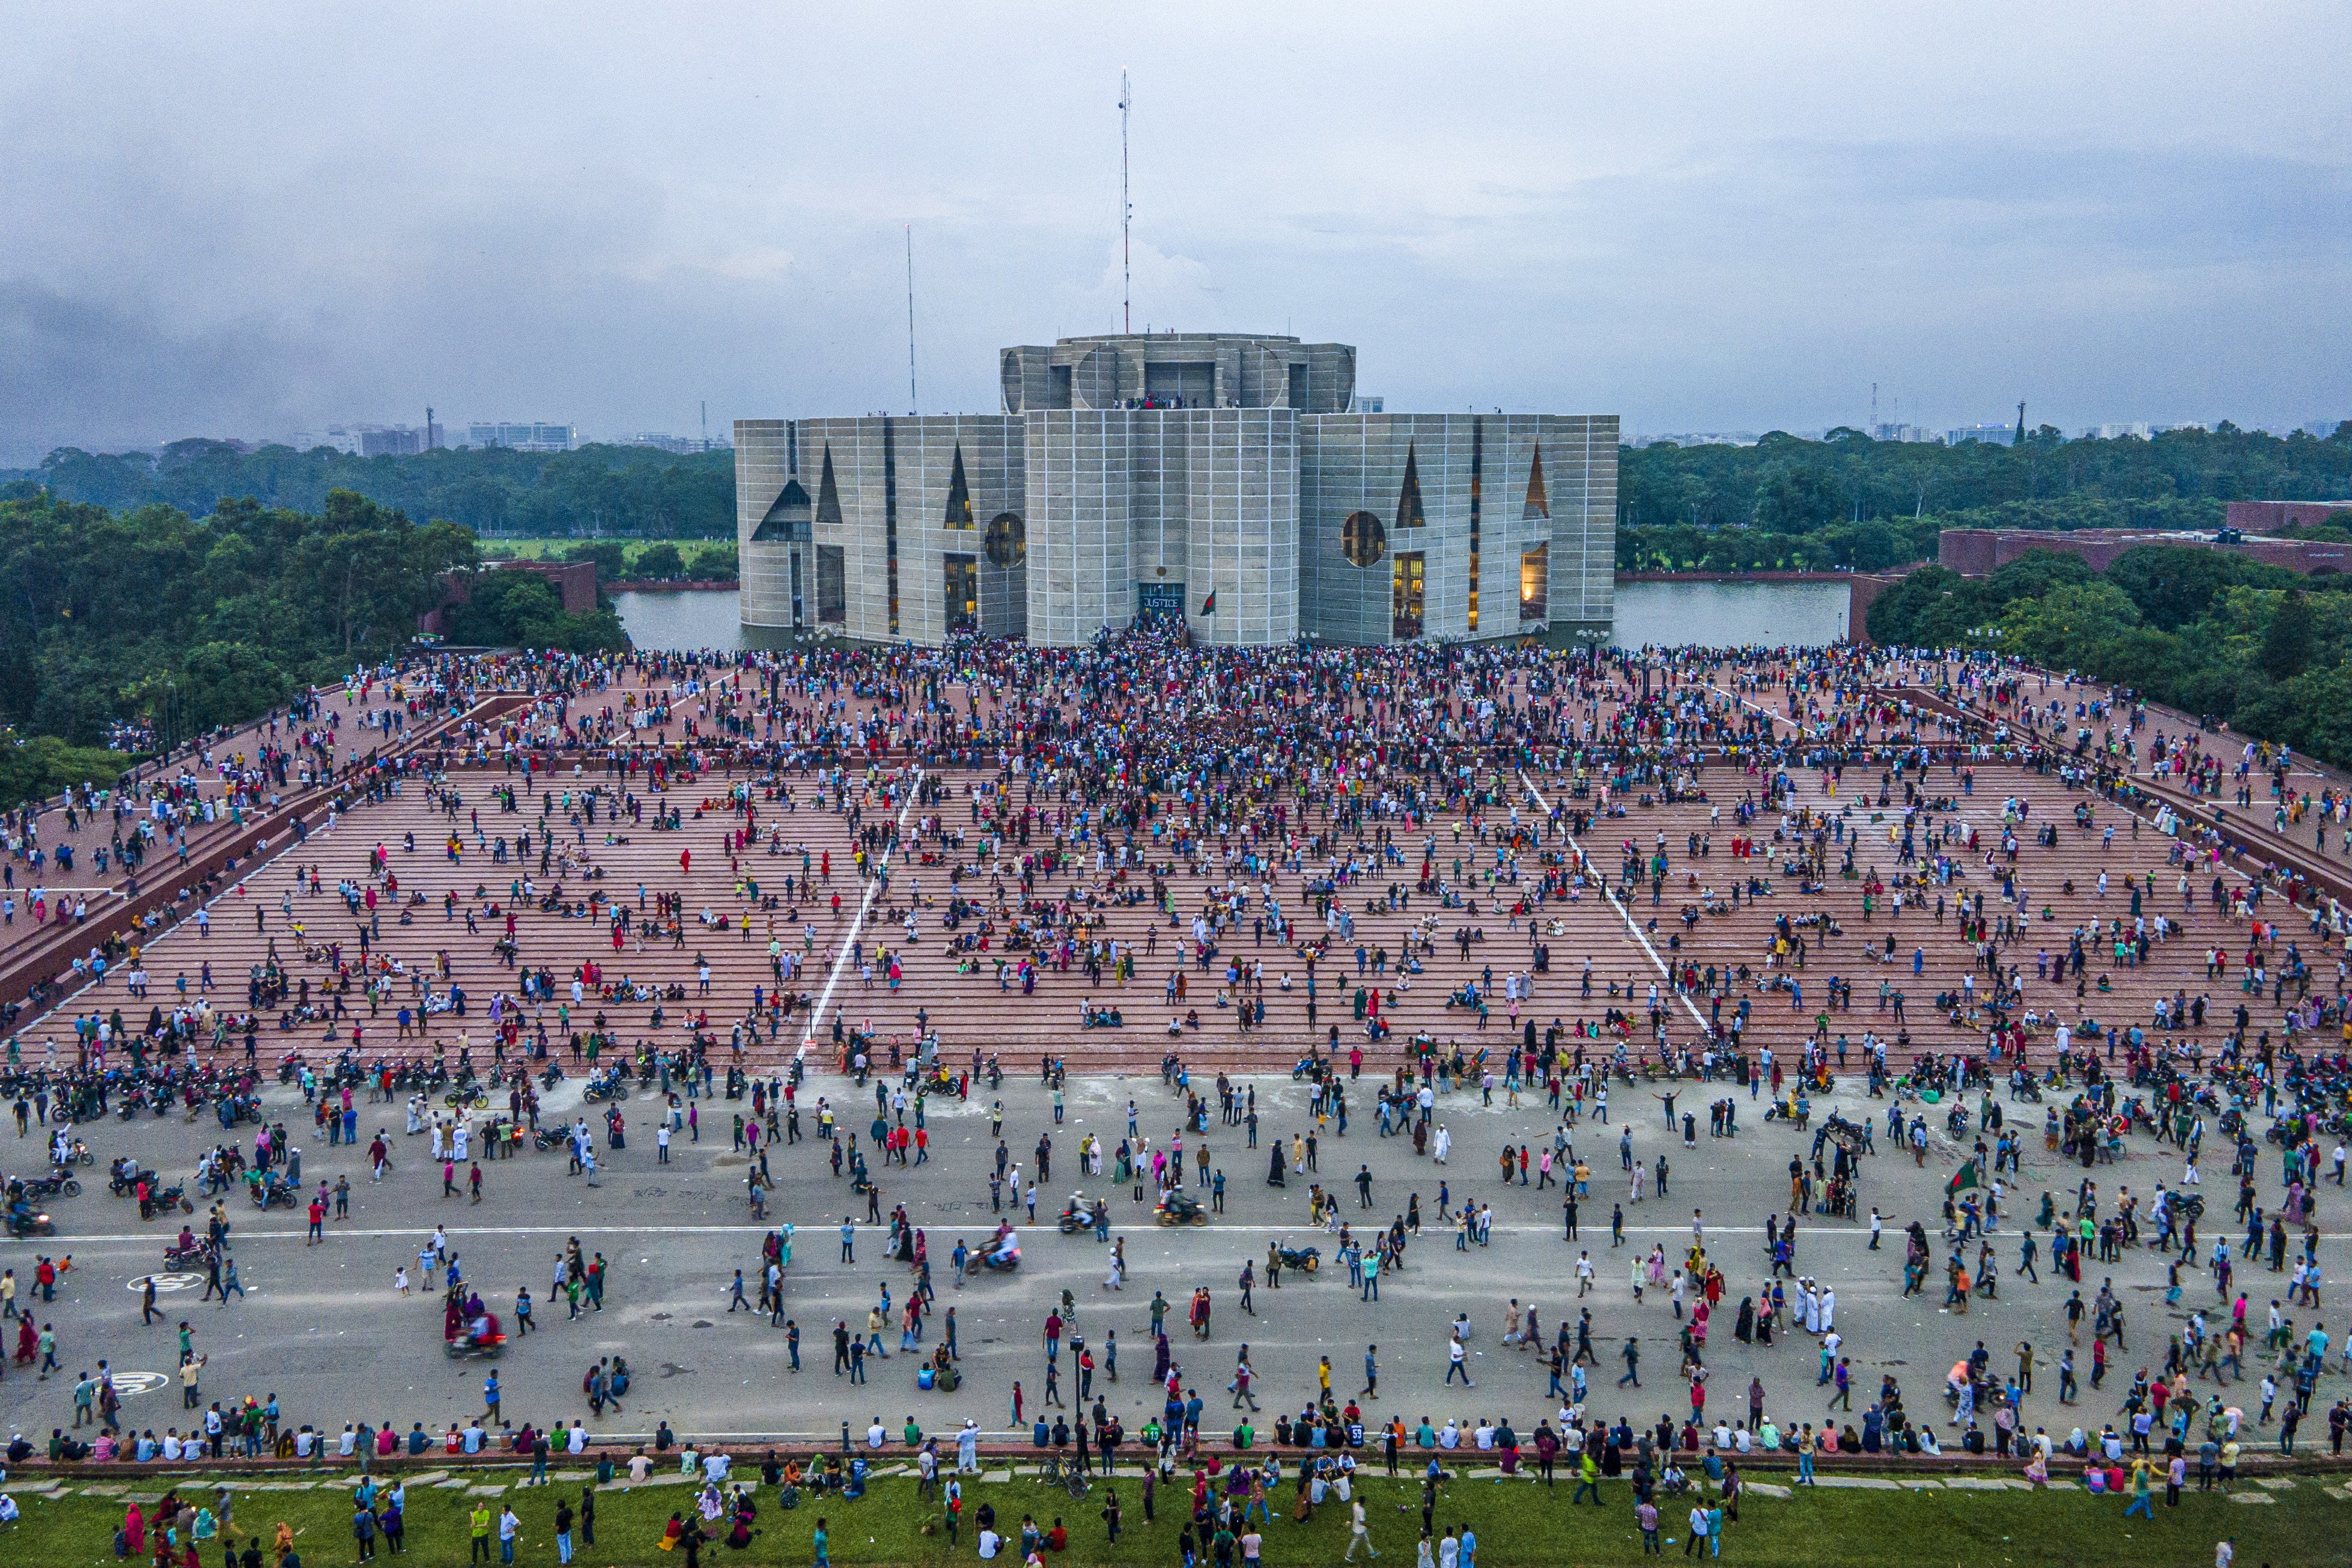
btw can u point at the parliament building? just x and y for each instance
(1226, 479)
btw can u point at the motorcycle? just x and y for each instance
(196, 1255)
(1180, 1208)
(1078, 1216)
(55, 1183)
(477, 1344)
(125, 1174)
(1307, 1260)
(1001, 1258)
(165, 1201)
(274, 1192)
(22, 1223)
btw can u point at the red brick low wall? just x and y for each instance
(1981, 552)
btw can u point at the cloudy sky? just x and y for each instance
(244, 219)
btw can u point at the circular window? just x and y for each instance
(1007, 540)
(1363, 539)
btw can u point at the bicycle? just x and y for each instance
(1068, 1476)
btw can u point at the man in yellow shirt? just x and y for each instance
(480, 1520)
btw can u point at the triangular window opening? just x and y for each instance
(790, 509)
(1538, 507)
(1409, 511)
(959, 495)
(828, 497)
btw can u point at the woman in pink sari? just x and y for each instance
(134, 1531)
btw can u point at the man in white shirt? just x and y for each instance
(989, 1544)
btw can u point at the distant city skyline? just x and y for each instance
(1701, 219)
(343, 434)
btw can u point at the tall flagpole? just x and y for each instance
(1126, 211)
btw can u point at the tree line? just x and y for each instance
(2208, 631)
(1783, 485)
(628, 491)
(135, 629)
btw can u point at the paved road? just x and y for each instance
(324, 1330)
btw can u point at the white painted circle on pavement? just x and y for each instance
(167, 1283)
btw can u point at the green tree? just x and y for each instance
(2287, 643)
(713, 562)
(611, 556)
(660, 561)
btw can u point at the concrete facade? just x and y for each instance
(1216, 477)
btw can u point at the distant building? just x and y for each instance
(1910, 433)
(388, 440)
(2138, 428)
(1987, 435)
(523, 436)
(664, 442)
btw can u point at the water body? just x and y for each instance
(1720, 614)
(1730, 614)
(701, 619)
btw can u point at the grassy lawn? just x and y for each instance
(1517, 1523)
(540, 549)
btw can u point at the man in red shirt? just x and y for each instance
(318, 1218)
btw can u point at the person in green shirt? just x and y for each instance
(2143, 1500)
(1588, 1479)
(480, 1522)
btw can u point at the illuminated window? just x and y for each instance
(962, 592)
(1535, 584)
(1405, 582)
(1477, 493)
(1007, 542)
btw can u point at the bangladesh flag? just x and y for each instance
(1963, 1178)
(1209, 605)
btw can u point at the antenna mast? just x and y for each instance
(1125, 211)
(911, 404)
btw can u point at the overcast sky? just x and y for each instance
(242, 220)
